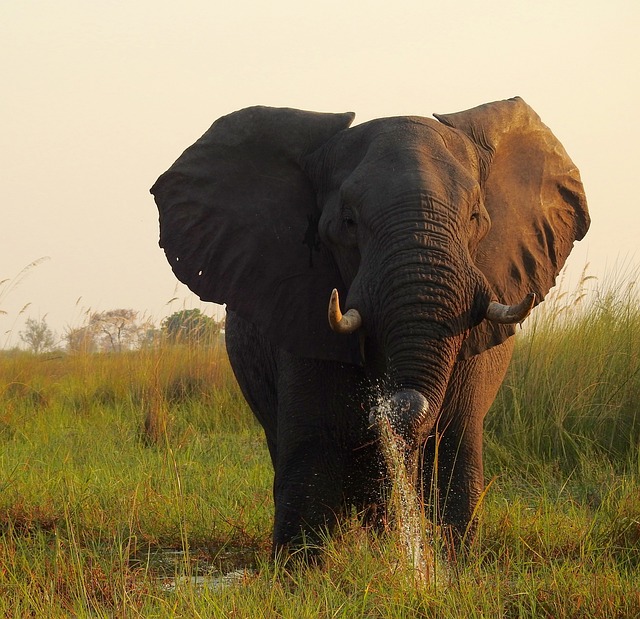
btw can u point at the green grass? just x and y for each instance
(571, 394)
(107, 462)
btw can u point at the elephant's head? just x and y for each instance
(420, 225)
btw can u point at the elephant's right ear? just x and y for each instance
(238, 221)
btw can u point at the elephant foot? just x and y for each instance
(407, 412)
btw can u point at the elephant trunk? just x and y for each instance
(425, 315)
(419, 365)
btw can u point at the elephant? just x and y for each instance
(435, 235)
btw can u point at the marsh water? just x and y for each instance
(202, 568)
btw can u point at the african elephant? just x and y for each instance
(438, 235)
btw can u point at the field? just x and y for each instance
(131, 483)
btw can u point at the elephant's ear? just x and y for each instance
(534, 196)
(238, 221)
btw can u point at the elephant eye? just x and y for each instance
(348, 221)
(475, 214)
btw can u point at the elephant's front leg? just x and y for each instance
(309, 468)
(457, 452)
(456, 446)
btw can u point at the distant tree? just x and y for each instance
(190, 327)
(147, 336)
(38, 336)
(119, 329)
(81, 340)
(150, 336)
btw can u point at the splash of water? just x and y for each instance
(415, 536)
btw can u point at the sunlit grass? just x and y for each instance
(571, 394)
(109, 461)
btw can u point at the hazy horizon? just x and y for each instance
(100, 98)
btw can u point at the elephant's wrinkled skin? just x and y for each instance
(419, 224)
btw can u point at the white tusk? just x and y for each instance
(339, 322)
(510, 314)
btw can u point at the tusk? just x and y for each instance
(510, 314)
(347, 323)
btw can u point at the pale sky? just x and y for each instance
(99, 98)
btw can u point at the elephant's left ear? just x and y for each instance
(238, 223)
(534, 196)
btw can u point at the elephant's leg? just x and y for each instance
(309, 471)
(456, 447)
(253, 360)
(367, 483)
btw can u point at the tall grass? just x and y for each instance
(74, 436)
(571, 393)
(122, 472)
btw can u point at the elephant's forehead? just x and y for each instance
(402, 132)
(402, 149)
